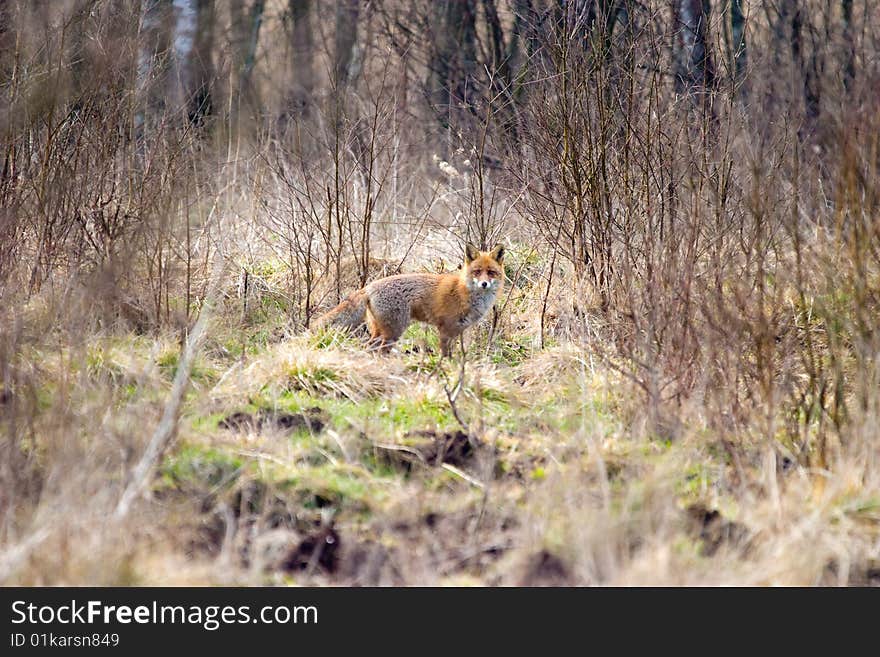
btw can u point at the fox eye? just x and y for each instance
(477, 272)
(492, 274)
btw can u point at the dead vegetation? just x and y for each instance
(678, 387)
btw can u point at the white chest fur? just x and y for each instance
(481, 300)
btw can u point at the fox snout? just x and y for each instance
(482, 283)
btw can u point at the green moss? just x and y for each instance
(201, 467)
(342, 486)
(493, 395)
(409, 413)
(331, 485)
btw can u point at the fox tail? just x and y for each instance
(348, 314)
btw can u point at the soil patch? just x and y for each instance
(313, 419)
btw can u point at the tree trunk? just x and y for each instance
(522, 45)
(807, 65)
(302, 47)
(500, 64)
(180, 74)
(454, 61)
(152, 73)
(693, 61)
(246, 33)
(849, 64)
(245, 37)
(201, 94)
(736, 44)
(346, 52)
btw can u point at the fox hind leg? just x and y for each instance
(377, 340)
(383, 335)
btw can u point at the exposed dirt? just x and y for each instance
(715, 530)
(545, 569)
(319, 549)
(313, 419)
(465, 543)
(430, 448)
(454, 448)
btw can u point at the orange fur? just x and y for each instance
(451, 302)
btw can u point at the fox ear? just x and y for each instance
(498, 253)
(471, 252)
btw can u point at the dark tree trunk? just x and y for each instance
(201, 94)
(736, 42)
(693, 61)
(849, 64)
(502, 51)
(246, 31)
(302, 47)
(454, 58)
(807, 64)
(499, 62)
(522, 46)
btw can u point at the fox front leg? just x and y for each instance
(447, 339)
(445, 345)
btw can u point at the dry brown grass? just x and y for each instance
(679, 386)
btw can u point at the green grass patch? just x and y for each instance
(200, 372)
(420, 346)
(693, 482)
(380, 415)
(329, 485)
(208, 423)
(200, 467)
(329, 337)
(511, 352)
(99, 364)
(311, 379)
(269, 268)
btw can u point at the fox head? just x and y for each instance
(483, 269)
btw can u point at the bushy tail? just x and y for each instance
(348, 314)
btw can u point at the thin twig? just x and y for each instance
(463, 475)
(452, 395)
(167, 429)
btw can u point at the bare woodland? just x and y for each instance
(679, 384)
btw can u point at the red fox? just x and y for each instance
(451, 302)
